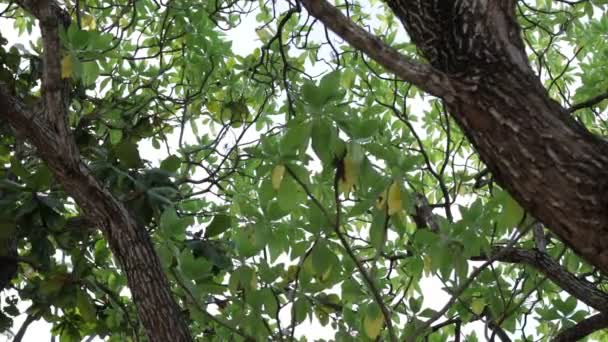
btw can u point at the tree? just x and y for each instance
(235, 195)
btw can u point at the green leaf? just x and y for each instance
(115, 136)
(41, 179)
(243, 278)
(324, 140)
(78, 38)
(511, 214)
(18, 169)
(567, 306)
(415, 304)
(330, 86)
(90, 73)
(85, 307)
(373, 321)
(171, 164)
(377, 230)
(275, 211)
(302, 309)
(270, 302)
(128, 154)
(247, 242)
(324, 261)
(172, 225)
(290, 194)
(193, 268)
(313, 95)
(296, 139)
(477, 305)
(218, 225)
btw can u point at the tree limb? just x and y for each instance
(422, 75)
(23, 329)
(547, 161)
(589, 103)
(465, 285)
(583, 328)
(542, 262)
(50, 133)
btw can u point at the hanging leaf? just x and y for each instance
(67, 66)
(373, 321)
(88, 22)
(277, 176)
(350, 166)
(218, 225)
(171, 163)
(85, 307)
(128, 154)
(394, 198)
(477, 305)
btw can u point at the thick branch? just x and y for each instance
(578, 288)
(583, 328)
(546, 160)
(581, 289)
(129, 242)
(50, 134)
(421, 75)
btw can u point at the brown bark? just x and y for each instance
(549, 163)
(49, 132)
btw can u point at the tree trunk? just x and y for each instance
(552, 165)
(128, 241)
(548, 162)
(49, 132)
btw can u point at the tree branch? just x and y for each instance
(23, 329)
(371, 285)
(579, 288)
(422, 75)
(465, 285)
(583, 328)
(50, 133)
(589, 103)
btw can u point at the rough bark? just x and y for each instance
(49, 132)
(548, 162)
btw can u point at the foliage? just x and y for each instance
(283, 185)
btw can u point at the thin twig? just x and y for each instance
(366, 277)
(466, 285)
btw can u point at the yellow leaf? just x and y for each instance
(67, 66)
(478, 305)
(88, 22)
(373, 323)
(394, 198)
(277, 176)
(427, 265)
(350, 173)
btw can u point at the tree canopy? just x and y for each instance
(352, 164)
